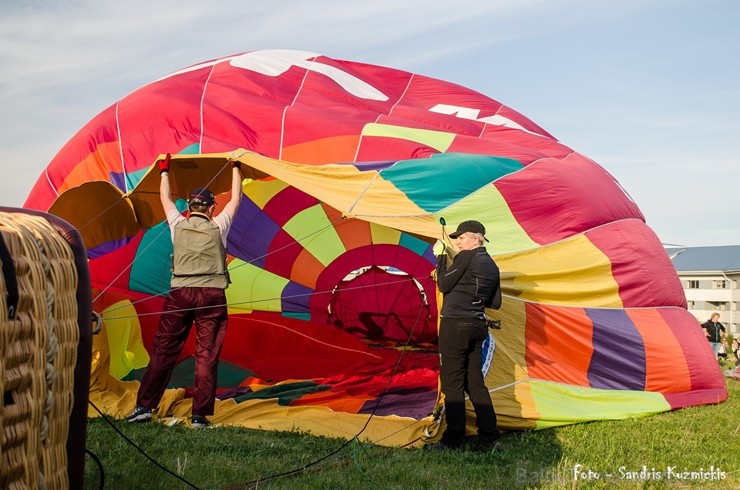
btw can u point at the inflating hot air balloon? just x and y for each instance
(348, 169)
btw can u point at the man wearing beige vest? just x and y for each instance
(197, 294)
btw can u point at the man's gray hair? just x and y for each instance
(479, 236)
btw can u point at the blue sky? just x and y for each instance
(649, 89)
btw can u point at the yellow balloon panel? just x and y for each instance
(572, 272)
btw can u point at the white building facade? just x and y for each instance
(707, 294)
(710, 276)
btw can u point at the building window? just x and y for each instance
(719, 284)
(693, 284)
(718, 305)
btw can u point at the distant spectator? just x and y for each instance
(723, 349)
(715, 333)
(736, 351)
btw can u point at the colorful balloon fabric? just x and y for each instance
(348, 169)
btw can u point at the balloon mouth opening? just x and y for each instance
(381, 303)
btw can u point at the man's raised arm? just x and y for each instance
(236, 190)
(164, 185)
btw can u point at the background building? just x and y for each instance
(709, 276)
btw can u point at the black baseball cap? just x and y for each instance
(203, 196)
(471, 226)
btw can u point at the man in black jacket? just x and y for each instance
(715, 332)
(469, 286)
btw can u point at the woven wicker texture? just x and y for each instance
(38, 352)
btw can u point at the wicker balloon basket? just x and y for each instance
(43, 341)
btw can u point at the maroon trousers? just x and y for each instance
(207, 308)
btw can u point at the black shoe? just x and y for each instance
(440, 446)
(479, 445)
(199, 422)
(140, 414)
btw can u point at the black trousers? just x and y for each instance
(460, 353)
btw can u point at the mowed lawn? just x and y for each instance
(692, 448)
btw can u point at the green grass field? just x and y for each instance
(692, 448)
